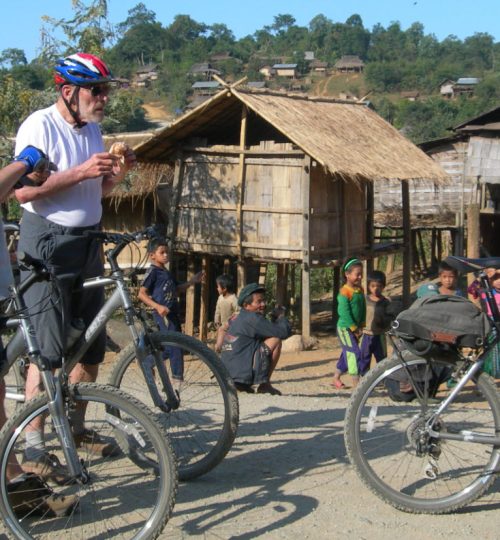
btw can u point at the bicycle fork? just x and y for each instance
(53, 387)
(149, 360)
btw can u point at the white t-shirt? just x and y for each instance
(67, 146)
(6, 276)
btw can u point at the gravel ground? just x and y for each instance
(287, 475)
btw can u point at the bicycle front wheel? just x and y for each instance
(129, 494)
(392, 452)
(203, 428)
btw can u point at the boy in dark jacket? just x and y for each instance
(252, 343)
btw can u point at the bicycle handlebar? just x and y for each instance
(126, 238)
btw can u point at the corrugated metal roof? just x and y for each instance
(468, 80)
(205, 84)
(285, 66)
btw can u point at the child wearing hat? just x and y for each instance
(252, 343)
(351, 312)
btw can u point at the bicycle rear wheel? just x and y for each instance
(130, 495)
(203, 428)
(387, 443)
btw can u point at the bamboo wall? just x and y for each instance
(339, 217)
(290, 209)
(426, 197)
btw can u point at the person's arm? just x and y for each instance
(30, 162)
(217, 316)
(146, 299)
(197, 278)
(101, 164)
(9, 175)
(263, 328)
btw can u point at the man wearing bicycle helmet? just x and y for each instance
(56, 217)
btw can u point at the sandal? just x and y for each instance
(267, 388)
(338, 384)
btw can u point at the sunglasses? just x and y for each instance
(100, 90)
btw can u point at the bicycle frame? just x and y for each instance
(472, 371)
(120, 298)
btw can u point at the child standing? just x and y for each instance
(351, 313)
(492, 362)
(159, 291)
(226, 307)
(447, 284)
(378, 320)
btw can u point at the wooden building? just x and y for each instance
(285, 70)
(471, 156)
(263, 176)
(350, 64)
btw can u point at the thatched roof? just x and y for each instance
(142, 180)
(348, 139)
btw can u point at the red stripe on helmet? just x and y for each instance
(97, 62)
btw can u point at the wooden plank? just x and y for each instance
(173, 217)
(271, 210)
(205, 297)
(228, 150)
(407, 264)
(190, 297)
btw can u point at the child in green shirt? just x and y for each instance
(351, 312)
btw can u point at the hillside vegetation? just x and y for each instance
(396, 60)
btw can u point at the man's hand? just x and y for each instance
(162, 311)
(101, 164)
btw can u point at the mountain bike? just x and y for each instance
(129, 493)
(200, 412)
(423, 431)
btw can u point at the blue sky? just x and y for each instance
(21, 21)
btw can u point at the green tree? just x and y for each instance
(13, 57)
(87, 31)
(138, 15)
(124, 112)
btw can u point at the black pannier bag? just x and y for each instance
(440, 321)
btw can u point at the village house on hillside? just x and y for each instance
(350, 64)
(319, 67)
(144, 75)
(249, 184)
(285, 70)
(203, 71)
(465, 86)
(451, 89)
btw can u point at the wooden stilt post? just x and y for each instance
(242, 278)
(336, 289)
(306, 278)
(407, 264)
(262, 273)
(473, 235)
(190, 298)
(205, 297)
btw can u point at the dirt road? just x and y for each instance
(287, 475)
